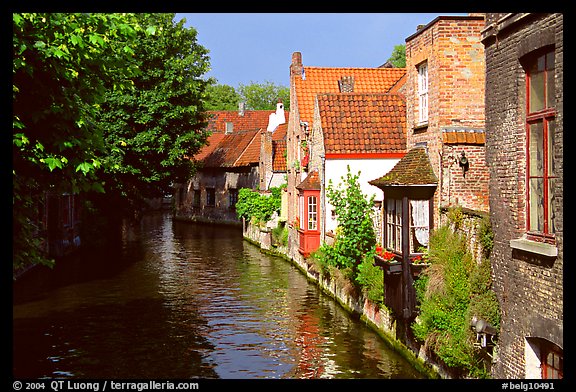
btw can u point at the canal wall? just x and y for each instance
(380, 319)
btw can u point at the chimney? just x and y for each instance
(277, 118)
(241, 107)
(346, 84)
(296, 66)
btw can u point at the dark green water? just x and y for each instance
(181, 300)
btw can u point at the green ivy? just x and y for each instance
(453, 290)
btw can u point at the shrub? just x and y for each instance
(452, 290)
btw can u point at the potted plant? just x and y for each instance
(387, 260)
(419, 263)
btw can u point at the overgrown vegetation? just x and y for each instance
(453, 290)
(258, 207)
(355, 244)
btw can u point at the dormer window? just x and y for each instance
(229, 127)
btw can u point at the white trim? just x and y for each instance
(540, 248)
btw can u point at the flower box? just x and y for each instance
(389, 266)
(418, 268)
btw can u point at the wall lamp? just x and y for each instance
(485, 332)
(463, 163)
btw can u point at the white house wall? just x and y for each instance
(370, 169)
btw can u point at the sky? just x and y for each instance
(250, 48)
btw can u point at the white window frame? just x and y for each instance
(312, 213)
(423, 93)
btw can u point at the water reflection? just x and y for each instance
(181, 300)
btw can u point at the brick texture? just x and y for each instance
(529, 288)
(452, 49)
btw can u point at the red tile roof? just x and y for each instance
(242, 146)
(252, 119)
(325, 80)
(312, 182)
(360, 123)
(233, 150)
(279, 162)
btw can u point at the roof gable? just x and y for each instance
(356, 123)
(317, 80)
(413, 169)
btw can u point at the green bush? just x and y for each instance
(371, 279)
(252, 204)
(451, 292)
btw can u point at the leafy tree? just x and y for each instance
(222, 97)
(398, 56)
(355, 235)
(264, 96)
(152, 128)
(62, 64)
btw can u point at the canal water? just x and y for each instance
(180, 300)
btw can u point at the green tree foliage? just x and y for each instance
(258, 207)
(222, 97)
(101, 102)
(398, 56)
(264, 96)
(355, 235)
(153, 128)
(62, 64)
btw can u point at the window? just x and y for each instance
(196, 198)
(551, 360)
(543, 359)
(541, 172)
(210, 197)
(312, 213)
(393, 230)
(419, 225)
(232, 197)
(423, 93)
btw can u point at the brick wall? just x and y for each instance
(456, 75)
(528, 286)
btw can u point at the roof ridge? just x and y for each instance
(366, 68)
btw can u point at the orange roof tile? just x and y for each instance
(319, 80)
(463, 136)
(232, 150)
(356, 123)
(279, 162)
(311, 182)
(241, 147)
(252, 119)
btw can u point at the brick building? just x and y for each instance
(524, 116)
(230, 161)
(322, 142)
(445, 107)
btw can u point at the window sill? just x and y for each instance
(540, 248)
(421, 126)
